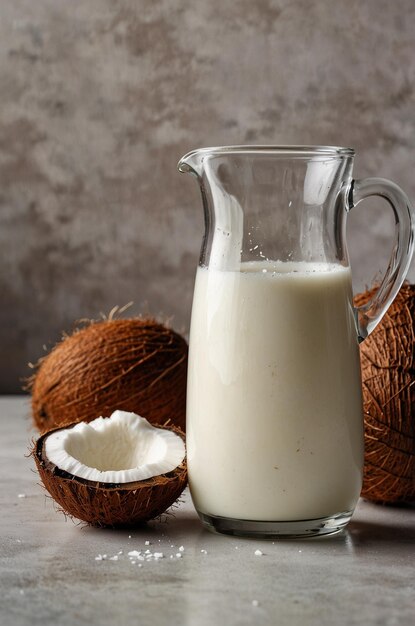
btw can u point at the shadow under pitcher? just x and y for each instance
(274, 401)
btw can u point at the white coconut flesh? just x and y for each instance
(121, 448)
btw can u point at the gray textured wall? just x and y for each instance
(99, 99)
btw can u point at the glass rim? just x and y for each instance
(304, 151)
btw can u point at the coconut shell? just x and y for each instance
(135, 365)
(105, 504)
(388, 378)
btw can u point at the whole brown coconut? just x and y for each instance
(109, 505)
(135, 365)
(388, 375)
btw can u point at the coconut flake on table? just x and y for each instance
(134, 553)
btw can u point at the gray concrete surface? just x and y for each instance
(99, 99)
(49, 575)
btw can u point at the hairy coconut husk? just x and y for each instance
(135, 365)
(105, 504)
(388, 376)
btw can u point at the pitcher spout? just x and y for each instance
(191, 163)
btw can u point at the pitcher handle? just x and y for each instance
(370, 314)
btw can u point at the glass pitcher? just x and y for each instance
(274, 405)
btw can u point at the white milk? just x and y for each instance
(274, 416)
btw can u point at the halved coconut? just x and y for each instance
(115, 471)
